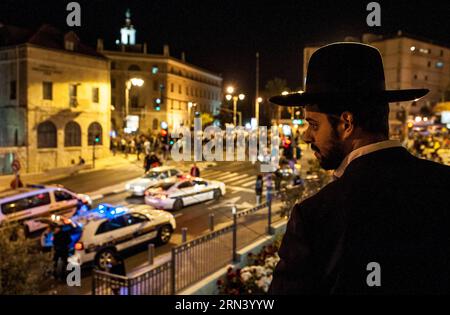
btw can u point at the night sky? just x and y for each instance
(223, 36)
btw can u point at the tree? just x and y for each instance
(207, 119)
(23, 267)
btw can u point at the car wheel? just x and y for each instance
(177, 205)
(217, 194)
(164, 235)
(103, 259)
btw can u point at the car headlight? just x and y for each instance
(139, 188)
(127, 186)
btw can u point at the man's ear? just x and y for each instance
(348, 125)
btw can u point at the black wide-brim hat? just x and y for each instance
(343, 72)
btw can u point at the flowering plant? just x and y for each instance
(255, 278)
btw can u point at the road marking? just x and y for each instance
(228, 175)
(245, 180)
(234, 179)
(250, 183)
(241, 189)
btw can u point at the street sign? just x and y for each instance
(15, 165)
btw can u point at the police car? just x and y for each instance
(25, 205)
(153, 177)
(108, 229)
(186, 191)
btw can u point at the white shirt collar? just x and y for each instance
(363, 151)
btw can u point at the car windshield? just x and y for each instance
(151, 175)
(165, 186)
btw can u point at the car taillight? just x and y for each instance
(147, 193)
(79, 246)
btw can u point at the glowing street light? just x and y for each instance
(259, 100)
(229, 97)
(241, 96)
(230, 90)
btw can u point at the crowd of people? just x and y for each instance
(430, 147)
(139, 145)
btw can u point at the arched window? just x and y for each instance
(155, 124)
(47, 135)
(95, 129)
(72, 135)
(134, 68)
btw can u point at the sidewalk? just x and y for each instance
(105, 163)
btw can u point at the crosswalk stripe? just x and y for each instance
(211, 173)
(234, 179)
(245, 180)
(225, 176)
(250, 183)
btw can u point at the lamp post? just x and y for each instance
(128, 84)
(190, 105)
(235, 99)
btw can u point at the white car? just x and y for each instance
(186, 191)
(109, 229)
(154, 176)
(26, 205)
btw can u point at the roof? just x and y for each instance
(46, 36)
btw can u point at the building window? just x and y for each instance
(47, 90)
(192, 91)
(134, 68)
(426, 78)
(155, 85)
(113, 83)
(94, 130)
(134, 101)
(442, 53)
(13, 90)
(73, 95)
(155, 124)
(46, 135)
(113, 100)
(429, 64)
(439, 64)
(95, 94)
(113, 65)
(171, 87)
(179, 89)
(72, 135)
(415, 77)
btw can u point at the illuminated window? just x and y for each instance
(155, 69)
(439, 64)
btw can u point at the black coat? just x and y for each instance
(389, 207)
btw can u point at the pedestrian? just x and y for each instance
(81, 161)
(147, 163)
(147, 147)
(382, 226)
(258, 188)
(278, 176)
(123, 144)
(195, 171)
(61, 249)
(16, 182)
(138, 148)
(116, 267)
(269, 186)
(114, 145)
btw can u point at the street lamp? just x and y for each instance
(190, 105)
(235, 99)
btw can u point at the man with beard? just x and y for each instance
(383, 225)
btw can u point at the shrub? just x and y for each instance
(23, 267)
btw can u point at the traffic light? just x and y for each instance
(97, 139)
(164, 136)
(157, 104)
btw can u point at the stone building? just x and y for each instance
(54, 99)
(170, 85)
